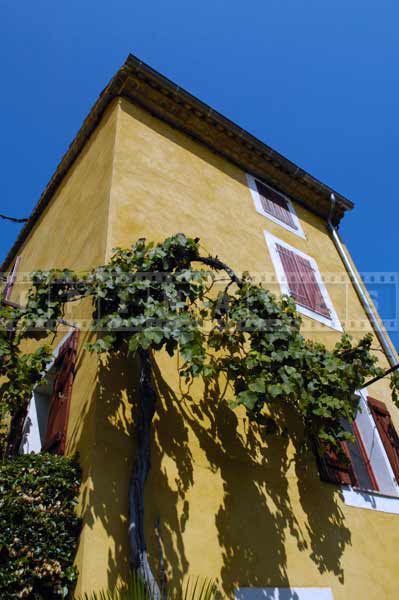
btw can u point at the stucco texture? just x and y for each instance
(235, 502)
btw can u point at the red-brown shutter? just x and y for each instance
(275, 204)
(331, 466)
(387, 432)
(11, 279)
(302, 282)
(61, 396)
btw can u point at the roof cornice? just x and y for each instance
(142, 85)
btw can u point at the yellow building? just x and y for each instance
(251, 511)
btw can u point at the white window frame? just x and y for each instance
(251, 180)
(270, 593)
(386, 500)
(332, 321)
(31, 439)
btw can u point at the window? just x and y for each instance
(356, 470)
(372, 459)
(363, 475)
(300, 278)
(296, 593)
(35, 424)
(11, 279)
(46, 421)
(274, 205)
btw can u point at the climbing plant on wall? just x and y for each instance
(39, 527)
(169, 296)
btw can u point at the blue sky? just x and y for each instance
(318, 81)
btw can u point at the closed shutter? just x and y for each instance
(302, 282)
(11, 279)
(387, 432)
(275, 204)
(61, 396)
(331, 466)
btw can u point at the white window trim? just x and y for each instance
(387, 500)
(58, 348)
(258, 207)
(294, 593)
(332, 321)
(370, 500)
(31, 440)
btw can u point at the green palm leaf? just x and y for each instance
(193, 589)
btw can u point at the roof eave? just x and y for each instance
(142, 85)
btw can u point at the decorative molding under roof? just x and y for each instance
(140, 84)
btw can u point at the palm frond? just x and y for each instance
(192, 589)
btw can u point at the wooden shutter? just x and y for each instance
(387, 432)
(275, 204)
(302, 281)
(61, 396)
(331, 466)
(11, 279)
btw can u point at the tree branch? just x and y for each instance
(388, 372)
(13, 219)
(218, 265)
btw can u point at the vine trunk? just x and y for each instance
(141, 467)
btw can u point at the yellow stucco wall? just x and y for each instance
(232, 505)
(232, 502)
(72, 233)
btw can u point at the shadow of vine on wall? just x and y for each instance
(257, 519)
(106, 446)
(106, 461)
(256, 522)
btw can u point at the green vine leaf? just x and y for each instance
(151, 297)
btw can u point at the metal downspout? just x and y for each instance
(359, 290)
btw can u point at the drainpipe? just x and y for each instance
(359, 290)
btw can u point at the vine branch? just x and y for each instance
(253, 338)
(218, 265)
(141, 467)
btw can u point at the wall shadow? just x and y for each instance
(106, 447)
(258, 520)
(102, 436)
(325, 524)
